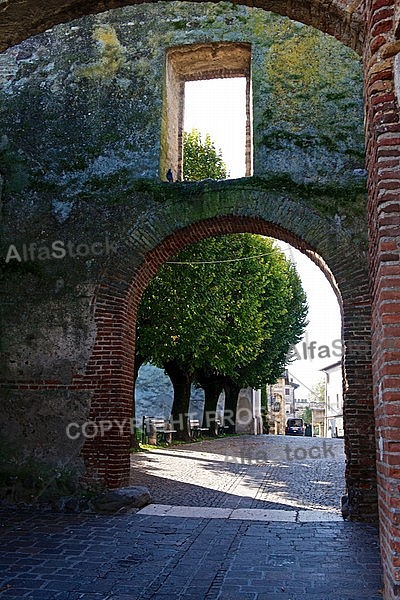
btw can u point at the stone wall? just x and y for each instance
(154, 395)
(371, 27)
(100, 83)
(248, 417)
(82, 112)
(344, 19)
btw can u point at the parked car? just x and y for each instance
(294, 427)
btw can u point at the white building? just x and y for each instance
(334, 400)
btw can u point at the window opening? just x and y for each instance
(217, 107)
(200, 63)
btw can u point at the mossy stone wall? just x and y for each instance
(81, 114)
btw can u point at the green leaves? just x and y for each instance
(201, 159)
(231, 305)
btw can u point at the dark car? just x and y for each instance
(294, 427)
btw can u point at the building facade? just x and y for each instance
(334, 401)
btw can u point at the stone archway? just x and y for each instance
(344, 19)
(240, 209)
(372, 28)
(170, 209)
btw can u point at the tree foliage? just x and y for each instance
(213, 307)
(307, 415)
(201, 160)
(228, 305)
(318, 392)
(207, 312)
(286, 323)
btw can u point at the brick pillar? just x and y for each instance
(110, 374)
(358, 407)
(383, 163)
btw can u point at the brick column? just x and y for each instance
(110, 374)
(383, 153)
(358, 408)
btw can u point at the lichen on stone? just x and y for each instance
(112, 55)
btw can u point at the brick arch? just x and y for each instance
(376, 33)
(340, 18)
(111, 366)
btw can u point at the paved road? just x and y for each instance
(270, 541)
(247, 472)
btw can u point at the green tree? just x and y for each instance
(201, 160)
(286, 324)
(318, 391)
(210, 311)
(307, 415)
(286, 327)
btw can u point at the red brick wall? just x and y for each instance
(383, 153)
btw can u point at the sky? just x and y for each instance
(221, 112)
(324, 328)
(217, 107)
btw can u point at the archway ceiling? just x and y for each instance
(21, 19)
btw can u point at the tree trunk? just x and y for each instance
(231, 398)
(212, 386)
(139, 360)
(181, 381)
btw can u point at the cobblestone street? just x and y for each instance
(231, 519)
(246, 472)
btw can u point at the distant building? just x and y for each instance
(318, 418)
(281, 403)
(300, 404)
(290, 400)
(276, 406)
(334, 400)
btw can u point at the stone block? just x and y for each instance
(121, 500)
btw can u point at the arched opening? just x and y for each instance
(117, 397)
(202, 484)
(109, 55)
(346, 21)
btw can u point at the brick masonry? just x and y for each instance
(354, 296)
(370, 26)
(383, 151)
(89, 173)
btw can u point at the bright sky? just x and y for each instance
(217, 107)
(324, 326)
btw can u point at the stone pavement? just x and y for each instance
(178, 549)
(246, 472)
